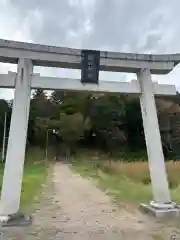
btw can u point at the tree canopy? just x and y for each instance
(107, 121)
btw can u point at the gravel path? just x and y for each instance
(73, 208)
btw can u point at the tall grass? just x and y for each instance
(127, 182)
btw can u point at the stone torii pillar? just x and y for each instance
(161, 194)
(13, 173)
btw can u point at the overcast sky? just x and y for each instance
(145, 26)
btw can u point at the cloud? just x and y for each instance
(11, 27)
(126, 26)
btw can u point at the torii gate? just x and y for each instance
(27, 55)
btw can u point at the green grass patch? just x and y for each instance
(34, 177)
(127, 183)
(35, 173)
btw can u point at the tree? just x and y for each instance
(72, 128)
(106, 114)
(40, 114)
(133, 125)
(5, 107)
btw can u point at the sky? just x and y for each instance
(138, 26)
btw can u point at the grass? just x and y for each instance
(128, 183)
(35, 172)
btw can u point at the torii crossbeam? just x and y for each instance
(27, 55)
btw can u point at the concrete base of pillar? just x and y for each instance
(161, 212)
(15, 220)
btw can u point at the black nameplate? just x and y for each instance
(90, 63)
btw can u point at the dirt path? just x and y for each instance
(73, 208)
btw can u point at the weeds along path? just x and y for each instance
(73, 208)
